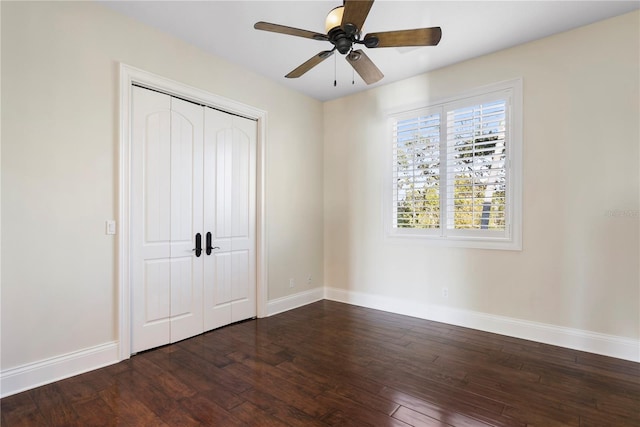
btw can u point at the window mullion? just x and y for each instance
(443, 186)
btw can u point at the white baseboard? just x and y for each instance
(577, 339)
(46, 371)
(294, 301)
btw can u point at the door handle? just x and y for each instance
(209, 243)
(209, 248)
(198, 248)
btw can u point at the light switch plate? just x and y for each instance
(111, 227)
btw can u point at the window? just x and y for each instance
(456, 170)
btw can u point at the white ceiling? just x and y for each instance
(469, 29)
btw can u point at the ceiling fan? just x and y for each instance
(344, 30)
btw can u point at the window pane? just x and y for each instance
(476, 174)
(416, 172)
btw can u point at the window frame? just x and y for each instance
(511, 237)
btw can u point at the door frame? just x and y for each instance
(129, 76)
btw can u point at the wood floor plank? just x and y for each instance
(445, 408)
(330, 363)
(345, 412)
(536, 415)
(417, 419)
(249, 414)
(608, 366)
(21, 410)
(371, 401)
(56, 409)
(94, 412)
(280, 409)
(161, 378)
(354, 387)
(202, 409)
(311, 388)
(428, 409)
(296, 396)
(163, 404)
(198, 380)
(128, 410)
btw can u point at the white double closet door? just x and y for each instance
(193, 233)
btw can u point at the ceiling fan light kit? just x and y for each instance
(343, 27)
(334, 18)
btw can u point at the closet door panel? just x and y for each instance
(217, 211)
(230, 216)
(187, 132)
(166, 204)
(243, 219)
(151, 230)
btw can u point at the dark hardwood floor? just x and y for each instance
(335, 364)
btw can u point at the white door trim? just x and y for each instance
(128, 76)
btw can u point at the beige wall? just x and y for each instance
(579, 266)
(60, 178)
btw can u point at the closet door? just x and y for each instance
(167, 177)
(230, 217)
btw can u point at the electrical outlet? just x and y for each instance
(445, 292)
(292, 283)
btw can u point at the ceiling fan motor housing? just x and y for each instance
(340, 40)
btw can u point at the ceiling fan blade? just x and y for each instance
(417, 37)
(312, 62)
(283, 29)
(355, 12)
(364, 66)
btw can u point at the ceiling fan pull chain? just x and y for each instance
(353, 76)
(335, 72)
